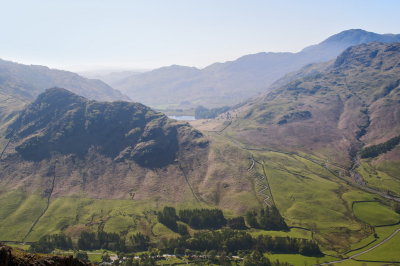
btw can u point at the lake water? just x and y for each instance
(182, 117)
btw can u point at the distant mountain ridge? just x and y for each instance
(234, 81)
(26, 82)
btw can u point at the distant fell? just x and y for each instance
(26, 82)
(234, 81)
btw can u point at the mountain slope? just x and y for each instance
(80, 164)
(231, 82)
(120, 139)
(27, 82)
(351, 103)
(93, 174)
(21, 84)
(308, 135)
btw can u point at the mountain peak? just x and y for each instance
(59, 92)
(358, 36)
(60, 121)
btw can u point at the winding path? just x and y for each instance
(264, 187)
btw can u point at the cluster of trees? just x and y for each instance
(196, 218)
(203, 113)
(101, 240)
(92, 241)
(237, 223)
(48, 243)
(113, 241)
(203, 218)
(211, 243)
(375, 150)
(168, 218)
(234, 241)
(267, 218)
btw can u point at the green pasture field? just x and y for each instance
(374, 213)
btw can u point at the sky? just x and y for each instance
(80, 35)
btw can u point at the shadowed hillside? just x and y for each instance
(95, 142)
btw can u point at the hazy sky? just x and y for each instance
(94, 34)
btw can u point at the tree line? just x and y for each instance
(202, 112)
(92, 241)
(224, 236)
(375, 150)
(235, 241)
(268, 218)
(196, 218)
(48, 243)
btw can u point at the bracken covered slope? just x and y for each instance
(351, 103)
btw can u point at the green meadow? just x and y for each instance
(374, 213)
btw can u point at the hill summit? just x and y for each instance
(107, 139)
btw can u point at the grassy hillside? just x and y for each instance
(375, 213)
(307, 194)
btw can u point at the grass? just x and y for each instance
(75, 214)
(310, 196)
(362, 244)
(382, 233)
(94, 257)
(390, 167)
(375, 213)
(305, 192)
(170, 261)
(294, 233)
(297, 259)
(21, 246)
(389, 251)
(380, 177)
(161, 230)
(18, 216)
(358, 263)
